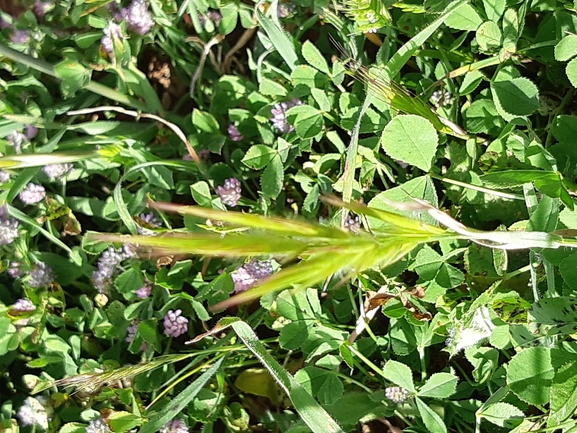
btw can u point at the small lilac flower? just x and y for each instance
(8, 227)
(174, 426)
(16, 139)
(20, 37)
(151, 222)
(441, 98)
(57, 171)
(23, 306)
(4, 176)
(174, 324)
(283, 10)
(98, 426)
(234, 133)
(249, 274)
(31, 132)
(111, 31)
(230, 193)
(138, 18)
(32, 194)
(353, 224)
(132, 330)
(40, 8)
(107, 264)
(144, 291)
(15, 271)
(396, 394)
(33, 412)
(213, 16)
(41, 276)
(278, 112)
(5, 24)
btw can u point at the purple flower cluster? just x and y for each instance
(174, 324)
(144, 291)
(41, 276)
(111, 31)
(230, 193)
(137, 16)
(279, 119)
(353, 224)
(40, 8)
(98, 426)
(234, 133)
(151, 221)
(107, 264)
(396, 394)
(20, 37)
(8, 227)
(213, 16)
(174, 426)
(23, 306)
(132, 330)
(32, 194)
(249, 274)
(57, 171)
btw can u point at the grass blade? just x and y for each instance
(318, 420)
(281, 42)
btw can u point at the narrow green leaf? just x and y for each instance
(278, 38)
(439, 385)
(432, 420)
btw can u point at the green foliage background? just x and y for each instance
(466, 107)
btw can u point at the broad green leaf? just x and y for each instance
(566, 48)
(439, 385)
(178, 403)
(270, 87)
(499, 413)
(411, 139)
(485, 360)
(73, 427)
(530, 373)
(293, 335)
(272, 178)
(123, 421)
(307, 120)
(482, 117)
(201, 193)
(571, 71)
(258, 381)
(204, 121)
(399, 374)
(322, 383)
(494, 9)
(314, 57)
(258, 156)
(464, 18)
(565, 128)
(488, 36)
(563, 394)
(355, 406)
(517, 97)
(74, 77)
(510, 30)
(308, 77)
(430, 418)
(560, 313)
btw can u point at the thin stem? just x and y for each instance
(477, 188)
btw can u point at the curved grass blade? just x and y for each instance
(177, 404)
(318, 420)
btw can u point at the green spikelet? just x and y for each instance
(369, 15)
